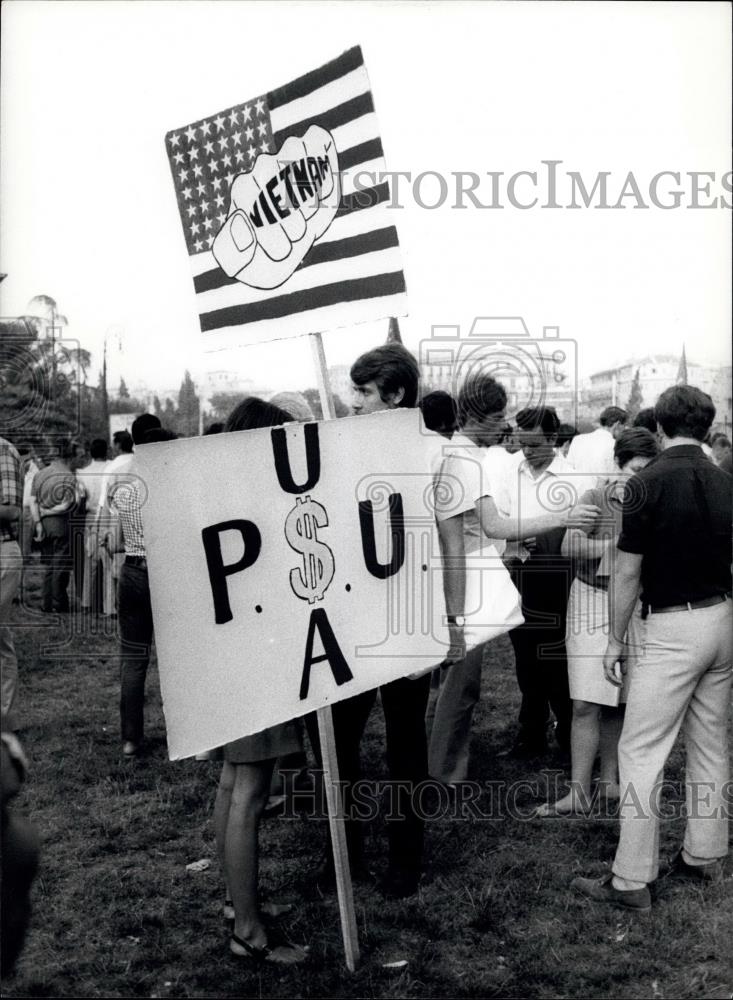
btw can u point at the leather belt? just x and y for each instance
(137, 561)
(706, 602)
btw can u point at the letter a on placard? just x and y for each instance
(332, 652)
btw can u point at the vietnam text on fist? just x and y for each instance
(279, 209)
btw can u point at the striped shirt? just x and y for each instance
(11, 487)
(125, 497)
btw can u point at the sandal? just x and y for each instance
(277, 950)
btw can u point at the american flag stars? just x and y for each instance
(206, 157)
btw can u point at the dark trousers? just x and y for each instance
(404, 703)
(56, 562)
(136, 637)
(539, 648)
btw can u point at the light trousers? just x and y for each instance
(682, 681)
(455, 692)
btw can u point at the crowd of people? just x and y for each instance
(618, 542)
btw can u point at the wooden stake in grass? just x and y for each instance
(334, 802)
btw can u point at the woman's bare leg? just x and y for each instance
(584, 740)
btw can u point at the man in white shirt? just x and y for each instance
(474, 510)
(593, 453)
(544, 483)
(463, 476)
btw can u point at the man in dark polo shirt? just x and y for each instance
(676, 543)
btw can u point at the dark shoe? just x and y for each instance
(130, 749)
(711, 872)
(603, 891)
(524, 750)
(562, 737)
(399, 883)
(326, 876)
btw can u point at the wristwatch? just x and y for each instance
(458, 620)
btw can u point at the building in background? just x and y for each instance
(657, 372)
(340, 379)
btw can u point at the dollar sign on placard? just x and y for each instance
(311, 580)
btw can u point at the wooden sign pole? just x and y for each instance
(328, 743)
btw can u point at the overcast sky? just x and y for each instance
(89, 214)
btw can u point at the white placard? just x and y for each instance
(269, 549)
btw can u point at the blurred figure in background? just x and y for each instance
(592, 454)
(645, 418)
(721, 448)
(111, 549)
(90, 482)
(31, 465)
(509, 440)
(54, 498)
(11, 563)
(295, 404)
(20, 853)
(135, 613)
(565, 435)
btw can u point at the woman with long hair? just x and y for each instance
(243, 791)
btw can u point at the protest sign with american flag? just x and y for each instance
(284, 202)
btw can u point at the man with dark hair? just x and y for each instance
(142, 424)
(122, 443)
(135, 612)
(645, 418)
(675, 544)
(384, 378)
(54, 496)
(544, 484)
(592, 454)
(439, 413)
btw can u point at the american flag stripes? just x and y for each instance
(353, 272)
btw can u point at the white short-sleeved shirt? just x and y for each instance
(461, 480)
(556, 489)
(91, 478)
(592, 453)
(114, 468)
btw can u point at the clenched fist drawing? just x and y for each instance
(279, 209)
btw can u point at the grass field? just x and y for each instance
(116, 913)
